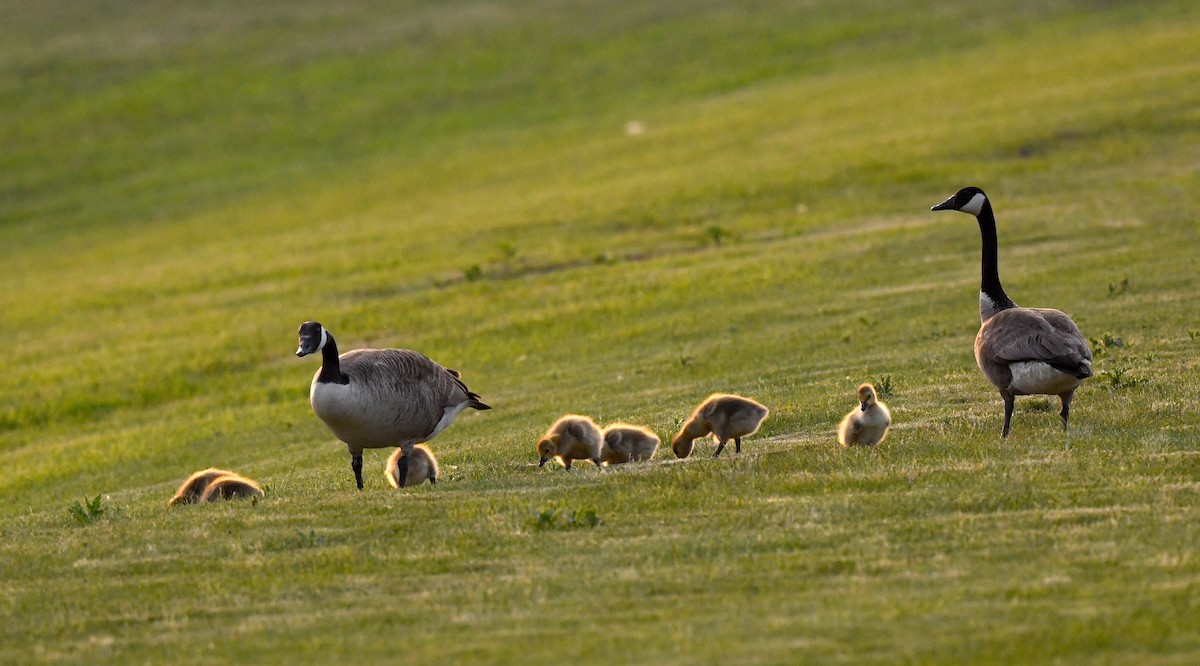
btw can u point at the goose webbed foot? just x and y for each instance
(356, 465)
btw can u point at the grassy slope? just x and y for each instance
(182, 185)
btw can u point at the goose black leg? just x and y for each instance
(1008, 411)
(737, 444)
(720, 447)
(1065, 399)
(356, 465)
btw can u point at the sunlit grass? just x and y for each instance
(183, 185)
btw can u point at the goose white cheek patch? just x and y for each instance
(975, 205)
(324, 339)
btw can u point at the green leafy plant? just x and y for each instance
(1105, 343)
(310, 540)
(546, 519)
(883, 386)
(716, 234)
(1119, 378)
(1117, 288)
(89, 511)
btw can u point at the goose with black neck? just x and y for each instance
(1022, 351)
(377, 398)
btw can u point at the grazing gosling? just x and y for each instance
(572, 437)
(421, 465)
(193, 488)
(230, 486)
(726, 417)
(867, 425)
(627, 443)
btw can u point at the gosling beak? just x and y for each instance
(542, 462)
(865, 405)
(948, 204)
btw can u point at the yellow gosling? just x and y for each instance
(627, 443)
(572, 437)
(724, 416)
(421, 466)
(867, 424)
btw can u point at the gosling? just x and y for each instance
(193, 488)
(572, 437)
(230, 486)
(421, 465)
(867, 425)
(725, 417)
(627, 443)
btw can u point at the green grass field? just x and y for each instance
(183, 184)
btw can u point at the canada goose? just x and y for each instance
(230, 486)
(375, 398)
(422, 465)
(1023, 351)
(571, 437)
(868, 424)
(194, 486)
(627, 443)
(726, 417)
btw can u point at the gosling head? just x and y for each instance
(866, 396)
(968, 200)
(547, 448)
(312, 338)
(681, 446)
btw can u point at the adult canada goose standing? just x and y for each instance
(375, 398)
(1023, 351)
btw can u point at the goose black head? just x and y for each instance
(968, 200)
(312, 338)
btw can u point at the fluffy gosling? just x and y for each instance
(627, 443)
(193, 488)
(572, 437)
(868, 424)
(725, 417)
(230, 486)
(421, 465)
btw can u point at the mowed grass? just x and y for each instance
(182, 185)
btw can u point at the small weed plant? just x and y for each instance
(88, 511)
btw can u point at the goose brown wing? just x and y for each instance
(1025, 334)
(412, 389)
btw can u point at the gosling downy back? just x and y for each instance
(421, 466)
(230, 486)
(627, 443)
(194, 486)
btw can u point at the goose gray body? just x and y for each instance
(376, 398)
(1022, 351)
